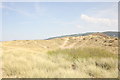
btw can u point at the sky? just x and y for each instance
(41, 20)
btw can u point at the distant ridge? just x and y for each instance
(109, 33)
(112, 33)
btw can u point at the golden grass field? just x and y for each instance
(92, 56)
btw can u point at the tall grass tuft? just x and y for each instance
(84, 53)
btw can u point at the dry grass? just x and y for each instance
(29, 64)
(86, 52)
(1, 51)
(45, 59)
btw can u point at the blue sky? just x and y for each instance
(41, 20)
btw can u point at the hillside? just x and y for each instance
(109, 33)
(90, 56)
(113, 34)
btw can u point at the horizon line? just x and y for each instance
(62, 35)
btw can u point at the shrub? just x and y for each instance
(111, 41)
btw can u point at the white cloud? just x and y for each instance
(100, 21)
(109, 13)
(79, 26)
(25, 13)
(18, 11)
(1, 6)
(39, 10)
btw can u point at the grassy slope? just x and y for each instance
(63, 57)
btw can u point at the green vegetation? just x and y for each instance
(84, 53)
